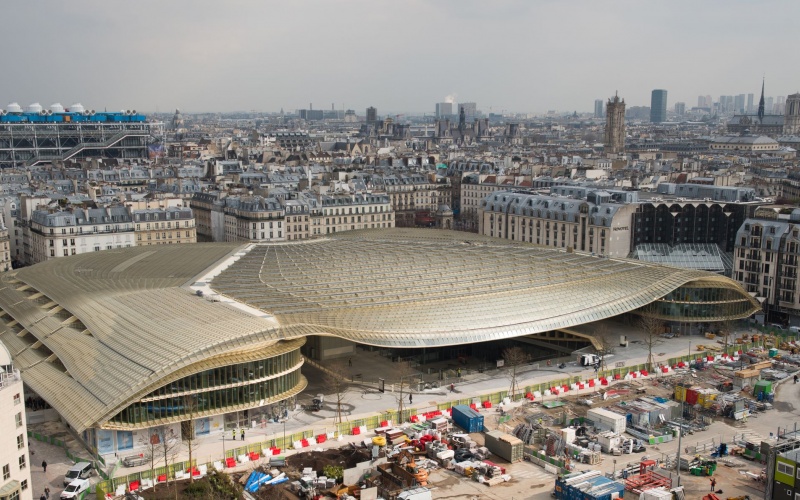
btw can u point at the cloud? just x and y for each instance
(526, 55)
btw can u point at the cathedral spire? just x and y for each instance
(761, 103)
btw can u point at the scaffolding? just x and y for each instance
(27, 143)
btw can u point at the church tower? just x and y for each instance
(791, 120)
(615, 126)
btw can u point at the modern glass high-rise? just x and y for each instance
(598, 108)
(470, 110)
(738, 104)
(658, 106)
(372, 115)
(444, 109)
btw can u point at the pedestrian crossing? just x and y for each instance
(528, 472)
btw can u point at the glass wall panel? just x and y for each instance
(167, 402)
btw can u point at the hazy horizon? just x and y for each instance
(527, 56)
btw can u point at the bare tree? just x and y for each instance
(727, 326)
(653, 328)
(513, 357)
(604, 346)
(168, 445)
(406, 373)
(187, 428)
(335, 381)
(150, 453)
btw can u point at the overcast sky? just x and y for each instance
(399, 56)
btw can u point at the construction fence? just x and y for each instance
(366, 424)
(61, 444)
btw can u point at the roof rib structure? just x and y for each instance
(94, 332)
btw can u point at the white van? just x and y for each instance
(76, 489)
(81, 470)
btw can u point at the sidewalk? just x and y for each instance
(363, 401)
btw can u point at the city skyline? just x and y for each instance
(199, 57)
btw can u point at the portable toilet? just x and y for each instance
(762, 386)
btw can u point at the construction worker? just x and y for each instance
(233, 433)
(713, 483)
(242, 433)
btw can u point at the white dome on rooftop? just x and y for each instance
(14, 108)
(57, 107)
(35, 108)
(77, 108)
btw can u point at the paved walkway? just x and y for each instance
(363, 400)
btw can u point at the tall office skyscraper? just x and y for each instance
(750, 105)
(372, 115)
(680, 108)
(658, 106)
(470, 110)
(615, 126)
(444, 110)
(780, 106)
(738, 104)
(769, 105)
(598, 108)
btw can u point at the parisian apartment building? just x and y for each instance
(51, 233)
(766, 261)
(14, 454)
(256, 218)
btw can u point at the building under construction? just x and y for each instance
(39, 135)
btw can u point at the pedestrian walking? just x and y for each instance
(42, 497)
(47, 493)
(350, 362)
(458, 372)
(410, 399)
(795, 379)
(452, 387)
(713, 483)
(242, 433)
(233, 433)
(44, 466)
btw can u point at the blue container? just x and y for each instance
(467, 418)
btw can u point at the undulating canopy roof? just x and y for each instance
(93, 332)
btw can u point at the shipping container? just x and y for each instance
(607, 420)
(691, 396)
(588, 486)
(467, 418)
(505, 446)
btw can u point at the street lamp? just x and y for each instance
(614, 473)
(285, 418)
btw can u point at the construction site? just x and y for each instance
(665, 434)
(619, 429)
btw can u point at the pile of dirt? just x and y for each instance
(346, 457)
